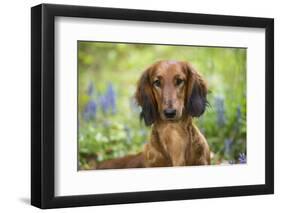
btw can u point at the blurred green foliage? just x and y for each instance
(109, 125)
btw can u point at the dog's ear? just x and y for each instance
(196, 93)
(145, 98)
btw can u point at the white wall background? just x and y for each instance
(15, 105)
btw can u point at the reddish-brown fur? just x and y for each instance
(130, 161)
(175, 141)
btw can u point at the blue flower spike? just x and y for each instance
(242, 158)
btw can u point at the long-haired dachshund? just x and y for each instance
(170, 94)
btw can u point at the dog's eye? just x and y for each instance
(179, 81)
(157, 83)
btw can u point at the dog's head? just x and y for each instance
(171, 91)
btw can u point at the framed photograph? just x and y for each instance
(139, 106)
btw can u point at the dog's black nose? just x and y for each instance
(170, 113)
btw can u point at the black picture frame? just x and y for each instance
(43, 102)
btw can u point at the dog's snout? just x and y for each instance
(170, 113)
(168, 102)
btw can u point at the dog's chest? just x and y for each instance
(172, 133)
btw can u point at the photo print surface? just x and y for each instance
(153, 105)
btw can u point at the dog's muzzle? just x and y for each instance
(170, 113)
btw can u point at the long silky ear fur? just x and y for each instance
(145, 99)
(196, 100)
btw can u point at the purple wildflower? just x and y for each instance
(104, 103)
(111, 96)
(108, 100)
(219, 103)
(238, 118)
(228, 146)
(242, 158)
(90, 110)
